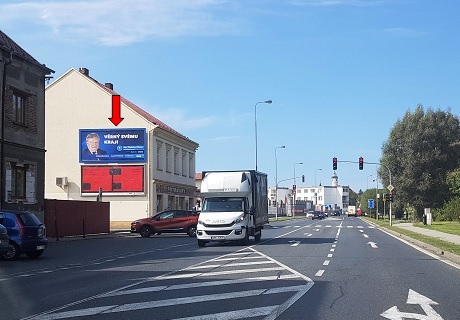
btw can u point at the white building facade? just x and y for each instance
(333, 197)
(145, 166)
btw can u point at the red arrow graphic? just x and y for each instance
(116, 110)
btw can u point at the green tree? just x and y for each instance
(421, 149)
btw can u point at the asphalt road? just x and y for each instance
(337, 268)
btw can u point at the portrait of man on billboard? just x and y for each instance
(92, 145)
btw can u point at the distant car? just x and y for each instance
(326, 214)
(27, 234)
(4, 239)
(309, 214)
(170, 221)
(336, 213)
(317, 215)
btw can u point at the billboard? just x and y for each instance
(112, 145)
(113, 180)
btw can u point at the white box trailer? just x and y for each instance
(234, 208)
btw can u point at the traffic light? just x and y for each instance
(334, 163)
(386, 197)
(361, 162)
(390, 197)
(303, 178)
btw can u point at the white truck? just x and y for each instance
(235, 206)
(351, 211)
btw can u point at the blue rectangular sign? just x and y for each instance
(112, 145)
(370, 203)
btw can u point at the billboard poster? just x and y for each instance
(113, 180)
(117, 145)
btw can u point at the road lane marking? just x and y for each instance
(319, 273)
(198, 285)
(365, 236)
(330, 255)
(334, 245)
(414, 298)
(373, 245)
(233, 315)
(332, 250)
(326, 262)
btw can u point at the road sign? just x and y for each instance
(370, 203)
(390, 187)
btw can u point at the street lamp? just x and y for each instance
(315, 175)
(255, 122)
(316, 194)
(367, 180)
(276, 181)
(294, 194)
(377, 197)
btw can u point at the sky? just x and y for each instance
(340, 73)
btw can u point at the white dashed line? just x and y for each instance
(319, 273)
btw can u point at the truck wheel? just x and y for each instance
(245, 240)
(145, 231)
(201, 243)
(258, 236)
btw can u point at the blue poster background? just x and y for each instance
(115, 145)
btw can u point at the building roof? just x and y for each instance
(7, 44)
(109, 88)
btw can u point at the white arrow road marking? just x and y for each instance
(365, 236)
(308, 234)
(414, 298)
(294, 243)
(361, 231)
(373, 245)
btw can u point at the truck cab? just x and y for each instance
(233, 206)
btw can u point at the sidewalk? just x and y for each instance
(432, 233)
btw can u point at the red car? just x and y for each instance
(170, 221)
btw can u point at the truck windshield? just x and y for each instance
(223, 204)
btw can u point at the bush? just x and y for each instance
(450, 211)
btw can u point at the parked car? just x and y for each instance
(4, 239)
(336, 213)
(27, 234)
(167, 221)
(309, 215)
(317, 215)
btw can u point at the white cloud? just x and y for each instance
(121, 22)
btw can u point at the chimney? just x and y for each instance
(84, 71)
(109, 85)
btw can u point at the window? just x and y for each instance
(184, 163)
(18, 181)
(191, 167)
(159, 148)
(19, 104)
(176, 160)
(168, 157)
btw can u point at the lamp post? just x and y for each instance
(294, 194)
(255, 122)
(276, 181)
(316, 194)
(377, 197)
(367, 188)
(315, 175)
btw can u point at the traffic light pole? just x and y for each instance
(379, 164)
